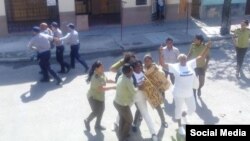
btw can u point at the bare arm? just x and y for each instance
(106, 88)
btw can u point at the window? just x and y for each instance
(82, 6)
(141, 2)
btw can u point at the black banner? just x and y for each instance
(217, 132)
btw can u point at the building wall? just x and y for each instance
(67, 13)
(3, 20)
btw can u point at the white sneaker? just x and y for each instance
(182, 131)
(154, 138)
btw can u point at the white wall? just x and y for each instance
(2, 8)
(66, 5)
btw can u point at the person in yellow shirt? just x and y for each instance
(96, 94)
(241, 37)
(197, 48)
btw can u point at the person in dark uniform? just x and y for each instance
(41, 43)
(72, 38)
(65, 67)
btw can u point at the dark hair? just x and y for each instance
(199, 37)
(136, 63)
(96, 64)
(128, 56)
(71, 26)
(54, 24)
(36, 29)
(246, 22)
(169, 39)
(126, 68)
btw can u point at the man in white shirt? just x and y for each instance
(170, 54)
(72, 38)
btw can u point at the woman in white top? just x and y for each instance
(184, 79)
(141, 101)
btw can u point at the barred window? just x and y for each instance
(141, 2)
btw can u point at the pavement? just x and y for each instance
(34, 111)
(108, 40)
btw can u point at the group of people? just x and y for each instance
(45, 39)
(145, 82)
(137, 82)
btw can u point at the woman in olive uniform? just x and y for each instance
(96, 94)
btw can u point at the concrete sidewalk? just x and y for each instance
(106, 40)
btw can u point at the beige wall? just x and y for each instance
(66, 5)
(2, 8)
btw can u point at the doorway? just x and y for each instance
(195, 12)
(104, 12)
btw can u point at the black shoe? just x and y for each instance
(134, 128)
(99, 127)
(59, 82)
(68, 69)
(87, 125)
(164, 124)
(45, 80)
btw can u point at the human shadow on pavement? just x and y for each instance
(243, 81)
(169, 108)
(138, 136)
(205, 113)
(37, 91)
(99, 136)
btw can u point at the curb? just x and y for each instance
(114, 52)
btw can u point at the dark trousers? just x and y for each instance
(97, 108)
(240, 54)
(125, 122)
(45, 66)
(171, 75)
(59, 58)
(74, 54)
(137, 117)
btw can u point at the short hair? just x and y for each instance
(137, 62)
(36, 29)
(54, 24)
(169, 39)
(126, 68)
(71, 26)
(199, 37)
(246, 22)
(181, 56)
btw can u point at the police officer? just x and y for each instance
(41, 43)
(65, 67)
(72, 38)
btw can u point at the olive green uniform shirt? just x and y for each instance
(195, 51)
(95, 83)
(242, 38)
(125, 91)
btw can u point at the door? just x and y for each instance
(248, 7)
(195, 12)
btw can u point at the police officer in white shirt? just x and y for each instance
(41, 43)
(65, 67)
(72, 38)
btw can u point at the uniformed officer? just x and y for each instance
(41, 43)
(72, 38)
(65, 67)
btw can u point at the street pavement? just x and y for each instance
(34, 111)
(106, 40)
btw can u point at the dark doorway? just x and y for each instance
(23, 14)
(248, 7)
(196, 9)
(104, 12)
